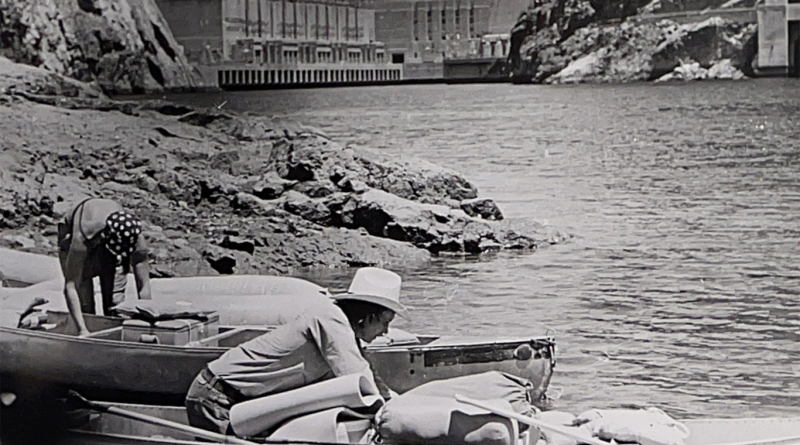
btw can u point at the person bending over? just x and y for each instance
(319, 344)
(97, 238)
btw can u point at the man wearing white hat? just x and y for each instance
(319, 344)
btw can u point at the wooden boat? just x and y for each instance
(109, 429)
(104, 367)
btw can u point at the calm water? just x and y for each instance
(681, 286)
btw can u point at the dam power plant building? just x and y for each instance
(778, 37)
(424, 34)
(279, 43)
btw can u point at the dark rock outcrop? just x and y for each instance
(125, 46)
(482, 208)
(521, 30)
(596, 41)
(222, 193)
(705, 43)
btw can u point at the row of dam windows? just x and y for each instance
(443, 15)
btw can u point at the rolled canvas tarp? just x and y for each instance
(321, 427)
(420, 419)
(351, 391)
(31, 269)
(230, 285)
(239, 299)
(234, 310)
(20, 269)
(237, 310)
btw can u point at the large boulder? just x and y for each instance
(640, 51)
(603, 54)
(706, 43)
(723, 69)
(437, 228)
(333, 167)
(482, 208)
(125, 46)
(391, 216)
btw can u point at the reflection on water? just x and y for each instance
(681, 286)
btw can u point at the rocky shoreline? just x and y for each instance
(225, 193)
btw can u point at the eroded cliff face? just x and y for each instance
(580, 41)
(125, 46)
(560, 19)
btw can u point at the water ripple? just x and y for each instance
(681, 288)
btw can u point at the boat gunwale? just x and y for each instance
(540, 342)
(689, 422)
(77, 433)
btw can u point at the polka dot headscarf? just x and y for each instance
(122, 232)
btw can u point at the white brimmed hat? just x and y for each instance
(377, 286)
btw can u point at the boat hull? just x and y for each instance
(112, 370)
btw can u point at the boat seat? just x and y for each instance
(106, 333)
(175, 331)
